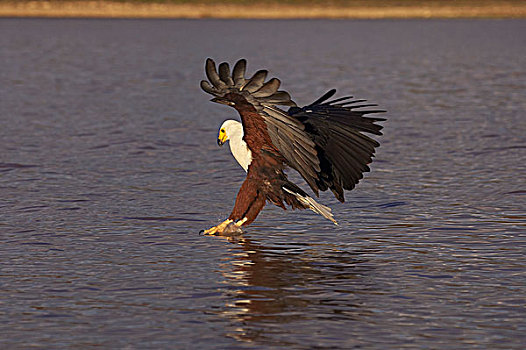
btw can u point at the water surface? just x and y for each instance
(109, 168)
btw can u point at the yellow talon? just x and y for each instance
(217, 229)
(227, 226)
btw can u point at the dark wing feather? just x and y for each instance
(256, 82)
(238, 73)
(268, 89)
(337, 129)
(281, 98)
(255, 90)
(224, 74)
(207, 87)
(294, 144)
(325, 97)
(213, 77)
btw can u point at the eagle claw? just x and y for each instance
(227, 226)
(217, 229)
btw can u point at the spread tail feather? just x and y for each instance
(316, 207)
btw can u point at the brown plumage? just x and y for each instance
(323, 141)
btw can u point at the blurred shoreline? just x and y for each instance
(271, 10)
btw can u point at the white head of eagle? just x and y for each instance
(232, 130)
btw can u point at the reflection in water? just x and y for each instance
(290, 283)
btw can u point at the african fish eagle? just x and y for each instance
(323, 141)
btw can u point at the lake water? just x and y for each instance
(109, 168)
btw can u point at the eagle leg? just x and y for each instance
(241, 222)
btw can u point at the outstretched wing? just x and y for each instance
(286, 132)
(337, 128)
(255, 90)
(324, 141)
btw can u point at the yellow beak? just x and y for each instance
(221, 138)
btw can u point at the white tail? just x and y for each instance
(314, 206)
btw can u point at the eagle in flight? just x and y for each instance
(324, 142)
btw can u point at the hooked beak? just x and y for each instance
(222, 101)
(221, 139)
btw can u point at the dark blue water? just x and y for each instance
(109, 168)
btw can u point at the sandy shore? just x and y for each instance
(109, 9)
